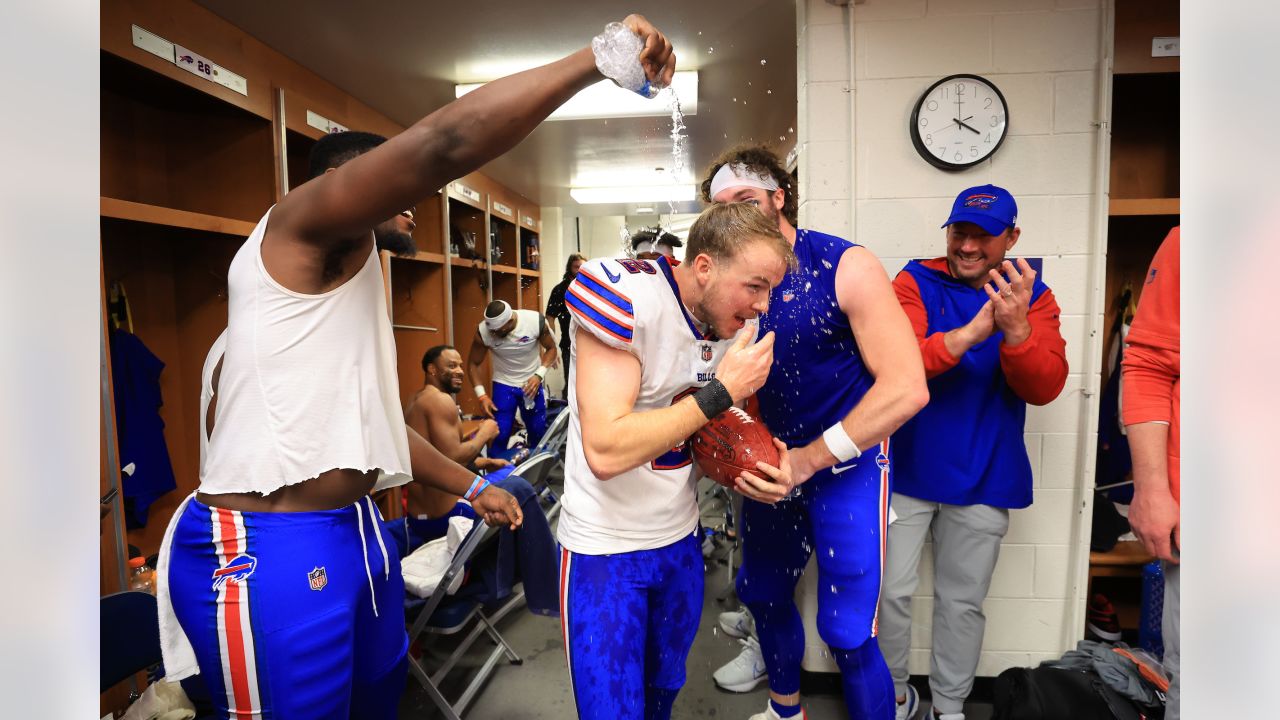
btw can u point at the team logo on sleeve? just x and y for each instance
(707, 352)
(883, 461)
(318, 578)
(237, 571)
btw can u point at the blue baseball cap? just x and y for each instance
(989, 207)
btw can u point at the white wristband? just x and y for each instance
(541, 372)
(840, 444)
(480, 391)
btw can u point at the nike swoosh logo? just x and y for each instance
(612, 277)
(837, 469)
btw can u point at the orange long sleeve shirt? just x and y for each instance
(1036, 368)
(1152, 358)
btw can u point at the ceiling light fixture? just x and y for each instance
(635, 194)
(644, 211)
(606, 100)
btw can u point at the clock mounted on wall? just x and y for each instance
(959, 121)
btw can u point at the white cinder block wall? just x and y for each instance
(860, 70)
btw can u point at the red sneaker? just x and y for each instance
(1102, 619)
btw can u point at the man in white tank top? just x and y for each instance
(523, 348)
(278, 569)
(656, 352)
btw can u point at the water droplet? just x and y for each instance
(763, 61)
(699, 32)
(710, 50)
(768, 92)
(791, 129)
(826, 263)
(735, 99)
(831, 552)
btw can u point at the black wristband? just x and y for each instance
(713, 398)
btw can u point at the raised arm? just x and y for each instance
(450, 142)
(889, 349)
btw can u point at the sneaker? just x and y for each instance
(947, 716)
(1102, 619)
(907, 710)
(744, 672)
(769, 714)
(738, 624)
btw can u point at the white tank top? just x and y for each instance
(517, 356)
(308, 382)
(207, 392)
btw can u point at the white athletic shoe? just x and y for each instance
(744, 672)
(769, 714)
(946, 716)
(738, 623)
(907, 710)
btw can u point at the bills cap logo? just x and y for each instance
(982, 201)
(318, 578)
(706, 353)
(237, 571)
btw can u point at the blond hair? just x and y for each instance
(724, 229)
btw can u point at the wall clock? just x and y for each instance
(959, 121)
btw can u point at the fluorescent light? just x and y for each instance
(644, 211)
(606, 100)
(641, 194)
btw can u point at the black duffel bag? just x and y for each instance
(1049, 693)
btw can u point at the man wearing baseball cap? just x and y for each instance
(989, 334)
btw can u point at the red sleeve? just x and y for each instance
(1152, 360)
(1036, 368)
(937, 359)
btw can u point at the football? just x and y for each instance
(730, 443)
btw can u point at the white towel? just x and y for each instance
(162, 701)
(175, 649)
(424, 567)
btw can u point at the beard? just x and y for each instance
(398, 243)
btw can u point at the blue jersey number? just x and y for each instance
(678, 456)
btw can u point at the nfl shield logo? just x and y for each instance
(706, 353)
(318, 578)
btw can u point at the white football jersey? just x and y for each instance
(634, 305)
(517, 356)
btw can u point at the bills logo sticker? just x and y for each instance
(237, 571)
(706, 353)
(318, 578)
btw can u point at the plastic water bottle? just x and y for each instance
(141, 576)
(617, 51)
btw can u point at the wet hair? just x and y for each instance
(334, 149)
(724, 229)
(761, 160)
(433, 354)
(568, 266)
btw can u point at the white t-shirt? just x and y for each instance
(517, 356)
(634, 305)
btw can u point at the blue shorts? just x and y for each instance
(507, 399)
(841, 512)
(628, 621)
(292, 615)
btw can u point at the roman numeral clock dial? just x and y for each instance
(959, 121)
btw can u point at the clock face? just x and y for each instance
(959, 122)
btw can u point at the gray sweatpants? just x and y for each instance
(966, 544)
(1170, 627)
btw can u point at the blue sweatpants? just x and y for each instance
(628, 621)
(292, 615)
(841, 514)
(507, 399)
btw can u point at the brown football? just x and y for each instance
(730, 443)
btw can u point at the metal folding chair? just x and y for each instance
(442, 614)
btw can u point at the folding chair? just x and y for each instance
(442, 614)
(556, 436)
(536, 470)
(129, 637)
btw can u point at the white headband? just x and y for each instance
(737, 175)
(493, 323)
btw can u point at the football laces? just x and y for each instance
(743, 415)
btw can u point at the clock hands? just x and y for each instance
(962, 123)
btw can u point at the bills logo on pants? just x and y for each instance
(237, 570)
